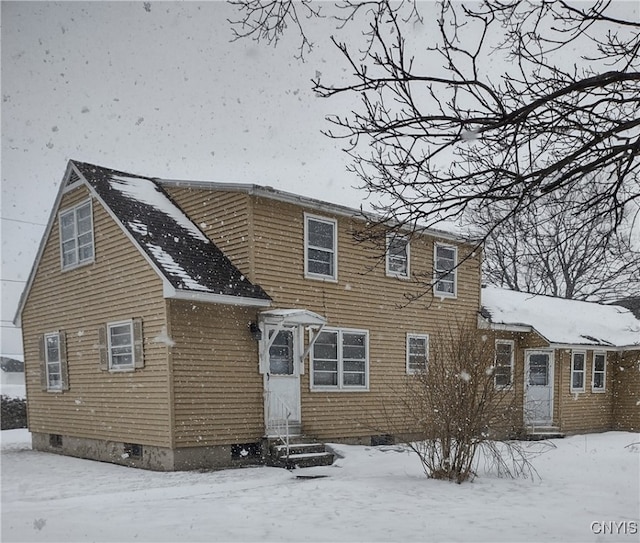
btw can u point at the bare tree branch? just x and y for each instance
(512, 105)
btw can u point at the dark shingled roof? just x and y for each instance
(179, 249)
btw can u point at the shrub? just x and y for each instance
(14, 413)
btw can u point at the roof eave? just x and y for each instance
(212, 298)
(485, 323)
(296, 199)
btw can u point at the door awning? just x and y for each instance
(293, 317)
(279, 318)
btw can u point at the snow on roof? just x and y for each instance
(561, 321)
(147, 192)
(186, 258)
(294, 316)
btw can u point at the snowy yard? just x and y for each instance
(587, 483)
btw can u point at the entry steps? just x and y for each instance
(539, 433)
(303, 453)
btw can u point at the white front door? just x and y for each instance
(282, 382)
(538, 388)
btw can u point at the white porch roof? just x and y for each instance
(298, 317)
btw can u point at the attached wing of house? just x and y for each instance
(562, 322)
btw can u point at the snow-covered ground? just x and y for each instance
(587, 483)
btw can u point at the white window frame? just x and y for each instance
(341, 387)
(603, 388)
(437, 272)
(131, 345)
(333, 251)
(575, 371)
(48, 362)
(511, 344)
(76, 237)
(424, 337)
(391, 237)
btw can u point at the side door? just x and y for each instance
(538, 388)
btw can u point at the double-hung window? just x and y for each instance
(76, 236)
(503, 367)
(599, 377)
(578, 359)
(417, 352)
(121, 345)
(321, 248)
(120, 337)
(397, 255)
(53, 361)
(340, 360)
(54, 373)
(446, 261)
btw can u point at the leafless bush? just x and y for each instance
(453, 411)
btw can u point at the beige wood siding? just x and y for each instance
(364, 298)
(119, 285)
(218, 390)
(582, 411)
(223, 217)
(626, 390)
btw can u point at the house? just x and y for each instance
(576, 365)
(175, 325)
(178, 324)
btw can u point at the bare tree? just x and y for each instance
(512, 103)
(550, 249)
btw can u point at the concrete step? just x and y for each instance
(304, 452)
(295, 448)
(307, 460)
(539, 433)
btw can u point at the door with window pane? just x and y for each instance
(538, 387)
(282, 394)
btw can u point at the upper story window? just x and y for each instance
(321, 248)
(417, 352)
(397, 255)
(446, 261)
(599, 378)
(340, 360)
(578, 359)
(503, 370)
(76, 236)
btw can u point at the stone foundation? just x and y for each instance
(148, 456)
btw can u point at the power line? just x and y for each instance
(13, 280)
(25, 222)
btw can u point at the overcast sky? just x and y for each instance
(155, 89)
(158, 89)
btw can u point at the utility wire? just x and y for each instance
(13, 280)
(25, 222)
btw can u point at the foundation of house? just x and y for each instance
(151, 457)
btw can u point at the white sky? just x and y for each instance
(160, 93)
